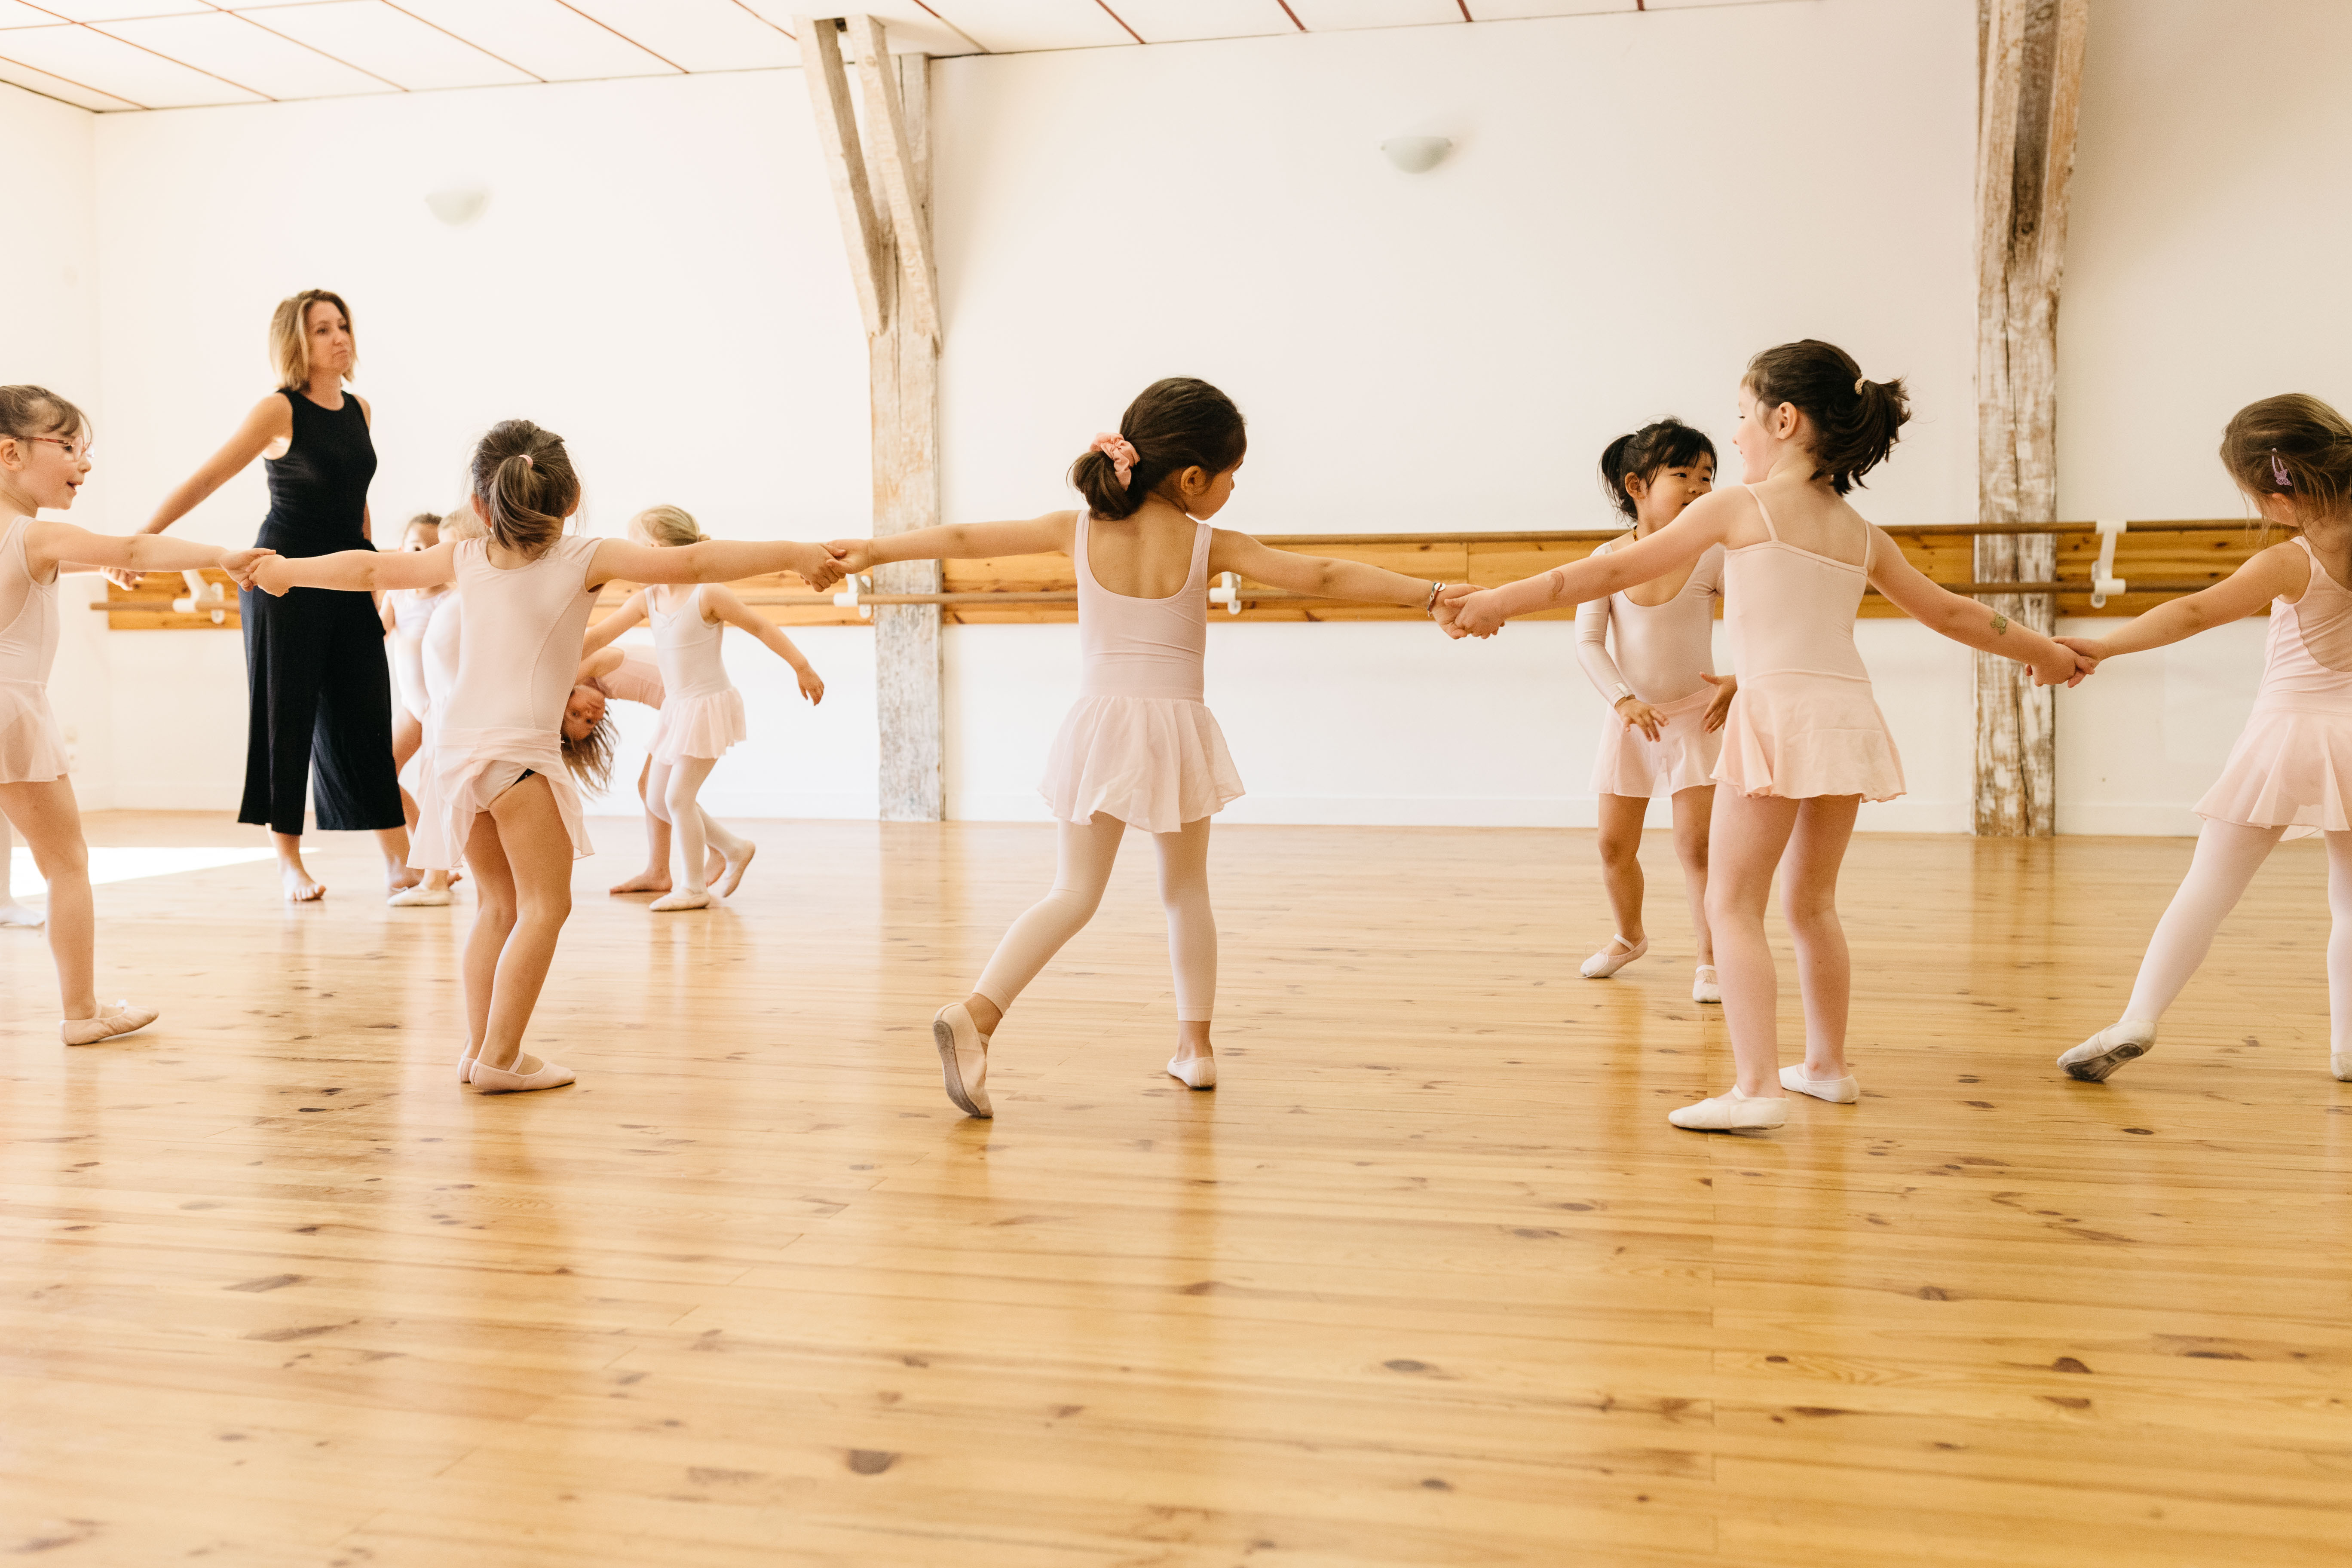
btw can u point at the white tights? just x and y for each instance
(673, 792)
(1082, 859)
(2228, 856)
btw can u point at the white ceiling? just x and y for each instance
(168, 54)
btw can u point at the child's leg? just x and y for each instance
(681, 800)
(1084, 853)
(2339, 954)
(12, 913)
(1622, 816)
(1692, 807)
(538, 850)
(1192, 933)
(46, 816)
(494, 921)
(2228, 856)
(655, 877)
(1745, 839)
(1809, 877)
(407, 740)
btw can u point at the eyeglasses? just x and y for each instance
(77, 449)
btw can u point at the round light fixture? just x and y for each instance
(459, 204)
(1417, 155)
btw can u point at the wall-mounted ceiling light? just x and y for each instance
(459, 204)
(1417, 155)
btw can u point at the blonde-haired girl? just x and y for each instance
(702, 712)
(498, 792)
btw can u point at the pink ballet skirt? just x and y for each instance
(1800, 735)
(702, 726)
(2293, 762)
(1683, 756)
(469, 769)
(1157, 762)
(32, 750)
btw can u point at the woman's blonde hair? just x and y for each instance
(289, 335)
(666, 525)
(524, 486)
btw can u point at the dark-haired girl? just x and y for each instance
(2292, 455)
(1805, 743)
(1139, 746)
(498, 792)
(1661, 684)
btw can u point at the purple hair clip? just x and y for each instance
(2279, 474)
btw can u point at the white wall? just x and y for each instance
(48, 288)
(2204, 269)
(659, 277)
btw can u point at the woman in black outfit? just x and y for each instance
(314, 660)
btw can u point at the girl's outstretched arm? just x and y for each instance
(961, 541)
(359, 571)
(1970, 622)
(1320, 575)
(598, 665)
(734, 612)
(712, 561)
(48, 544)
(2279, 571)
(1480, 613)
(631, 613)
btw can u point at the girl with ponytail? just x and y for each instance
(1139, 747)
(1804, 744)
(497, 794)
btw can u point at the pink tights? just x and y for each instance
(2228, 856)
(1083, 861)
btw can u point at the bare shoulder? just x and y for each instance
(273, 414)
(366, 413)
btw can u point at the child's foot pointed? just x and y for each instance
(734, 867)
(2111, 1048)
(963, 1058)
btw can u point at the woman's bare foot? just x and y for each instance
(648, 881)
(300, 887)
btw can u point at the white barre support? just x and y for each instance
(1228, 592)
(202, 598)
(2104, 579)
(847, 598)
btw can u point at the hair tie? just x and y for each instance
(1859, 383)
(526, 462)
(1121, 453)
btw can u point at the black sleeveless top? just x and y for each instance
(318, 490)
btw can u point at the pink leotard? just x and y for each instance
(32, 748)
(503, 719)
(1139, 744)
(638, 680)
(702, 712)
(1662, 653)
(2293, 762)
(1804, 723)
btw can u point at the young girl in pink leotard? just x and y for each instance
(2290, 768)
(1805, 743)
(498, 793)
(44, 458)
(1660, 683)
(1138, 747)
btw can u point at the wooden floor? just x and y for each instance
(1429, 1281)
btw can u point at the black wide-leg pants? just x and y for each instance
(320, 691)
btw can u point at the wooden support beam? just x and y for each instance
(892, 135)
(853, 194)
(2031, 60)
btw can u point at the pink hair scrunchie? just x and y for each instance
(1121, 453)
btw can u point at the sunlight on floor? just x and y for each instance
(125, 865)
